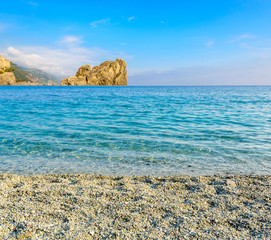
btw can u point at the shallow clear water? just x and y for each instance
(135, 130)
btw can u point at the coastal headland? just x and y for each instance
(6, 72)
(11, 74)
(74, 206)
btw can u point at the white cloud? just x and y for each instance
(268, 49)
(253, 72)
(244, 45)
(244, 36)
(60, 61)
(33, 4)
(95, 24)
(131, 18)
(71, 40)
(2, 27)
(13, 51)
(210, 43)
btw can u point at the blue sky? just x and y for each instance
(164, 42)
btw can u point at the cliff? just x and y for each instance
(6, 72)
(108, 73)
(11, 74)
(33, 76)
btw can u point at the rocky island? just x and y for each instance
(108, 73)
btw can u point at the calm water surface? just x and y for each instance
(135, 130)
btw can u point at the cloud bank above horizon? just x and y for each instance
(247, 73)
(61, 61)
(175, 44)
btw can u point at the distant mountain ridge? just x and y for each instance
(33, 75)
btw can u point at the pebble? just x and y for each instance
(230, 183)
(105, 207)
(24, 235)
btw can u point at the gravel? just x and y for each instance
(71, 206)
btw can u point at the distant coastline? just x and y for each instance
(109, 73)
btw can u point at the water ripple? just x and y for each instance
(135, 130)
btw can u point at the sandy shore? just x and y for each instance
(101, 207)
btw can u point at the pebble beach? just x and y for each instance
(71, 206)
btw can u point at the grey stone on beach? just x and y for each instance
(74, 206)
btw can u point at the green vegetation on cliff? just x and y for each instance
(10, 69)
(42, 76)
(33, 75)
(20, 74)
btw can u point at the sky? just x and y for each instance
(194, 42)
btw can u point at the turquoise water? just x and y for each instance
(135, 130)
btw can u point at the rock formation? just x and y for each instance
(108, 73)
(6, 73)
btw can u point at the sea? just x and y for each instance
(114, 130)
